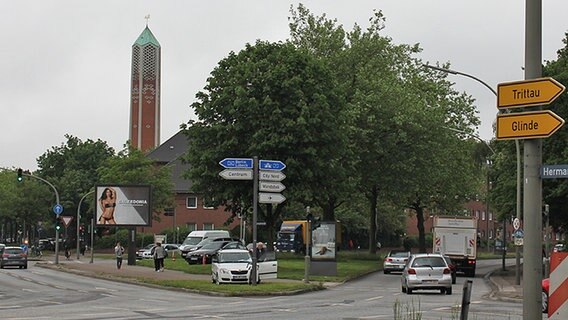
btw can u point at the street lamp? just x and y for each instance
(518, 149)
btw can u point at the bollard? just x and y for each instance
(204, 260)
(174, 256)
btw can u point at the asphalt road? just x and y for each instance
(38, 293)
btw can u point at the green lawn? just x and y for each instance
(349, 265)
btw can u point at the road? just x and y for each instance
(38, 293)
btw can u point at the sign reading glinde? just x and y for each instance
(554, 171)
(244, 163)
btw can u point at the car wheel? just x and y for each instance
(544, 302)
(454, 278)
(26, 266)
(449, 291)
(386, 271)
(408, 291)
(403, 290)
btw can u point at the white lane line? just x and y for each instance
(49, 301)
(374, 298)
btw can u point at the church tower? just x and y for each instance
(145, 92)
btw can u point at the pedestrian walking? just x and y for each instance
(159, 255)
(118, 251)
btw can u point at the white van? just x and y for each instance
(195, 237)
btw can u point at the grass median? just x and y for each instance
(350, 265)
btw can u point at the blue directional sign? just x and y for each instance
(245, 163)
(274, 165)
(58, 209)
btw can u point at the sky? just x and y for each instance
(65, 64)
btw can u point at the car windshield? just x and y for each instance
(233, 257)
(431, 262)
(192, 240)
(400, 254)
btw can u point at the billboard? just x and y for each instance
(123, 205)
(323, 241)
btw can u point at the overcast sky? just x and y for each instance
(65, 65)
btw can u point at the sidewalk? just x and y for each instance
(504, 287)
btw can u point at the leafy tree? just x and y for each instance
(273, 101)
(396, 116)
(72, 169)
(131, 166)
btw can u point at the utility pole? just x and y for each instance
(532, 200)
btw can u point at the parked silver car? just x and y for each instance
(426, 271)
(395, 261)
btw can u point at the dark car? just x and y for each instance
(545, 286)
(205, 253)
(13, 257)
(453, 268)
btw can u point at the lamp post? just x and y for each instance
(518, 150)
(78, 221)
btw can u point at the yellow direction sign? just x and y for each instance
(528, 93)
(528, 125)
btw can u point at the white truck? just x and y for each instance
(456, 237)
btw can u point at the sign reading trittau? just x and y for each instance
(533, 92)
(528, 125)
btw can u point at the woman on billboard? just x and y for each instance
(107, 204)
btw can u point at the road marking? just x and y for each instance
(30, 290)
(106, 289)
(50, 301)
(374, 298)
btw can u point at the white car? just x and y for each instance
(235, 266)
(426, 271)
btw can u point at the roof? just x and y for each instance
(170, 153)
(146, 37)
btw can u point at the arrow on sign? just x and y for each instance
(274, 165)
(275, 198)
(271, 175)
(528, 93)
(243, 163)
(271, 186)
(236, 174)
(528, 125)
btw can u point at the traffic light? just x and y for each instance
(57, 225)
(20, 175)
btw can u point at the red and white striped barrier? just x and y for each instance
(558, 291)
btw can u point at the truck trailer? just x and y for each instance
(456, 237)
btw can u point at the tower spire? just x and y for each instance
(147, 17)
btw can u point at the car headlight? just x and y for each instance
(223, 270)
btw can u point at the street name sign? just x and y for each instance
(273, 165)
(236, 174)
(271, 186)
(533, 92)
(243, 163)
(528, 125)
(554, 171)
(271, 175)
(274, 198)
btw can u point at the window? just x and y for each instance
(490, 216)
(483, 215)
(207, 203)
(191, 202)
(192, 226)
(477, 214)
(168, 212)
(208, 226)
(490, 234)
